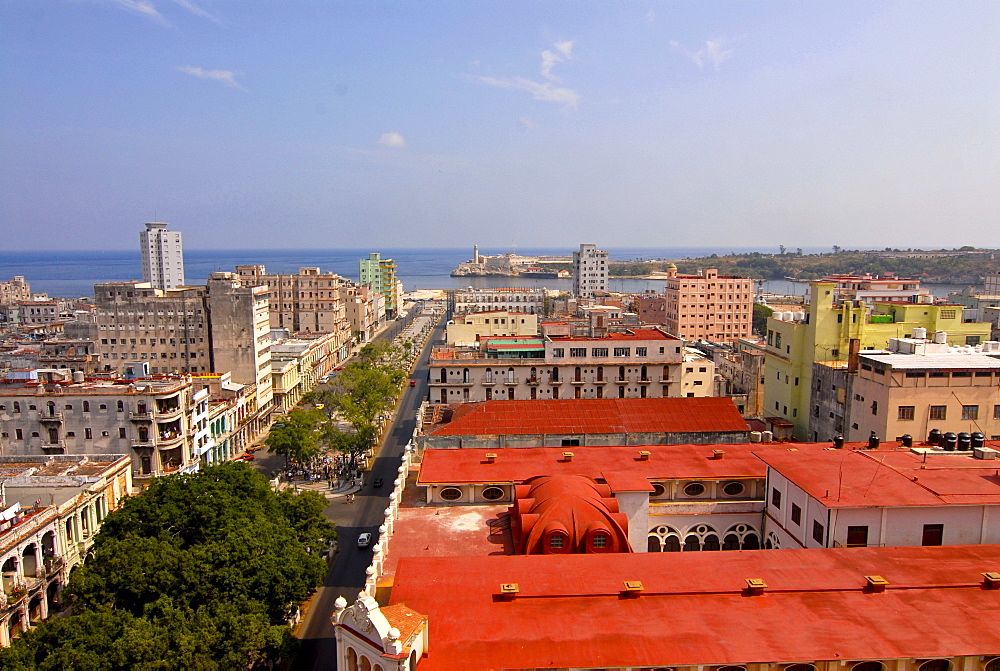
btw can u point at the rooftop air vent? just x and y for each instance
(875, 584)
(756, 586)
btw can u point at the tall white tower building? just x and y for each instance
(590, 271)
(162, 256)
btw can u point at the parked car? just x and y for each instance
(377, 482)
(413, 383)
(364, 540)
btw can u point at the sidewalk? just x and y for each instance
(321, 486)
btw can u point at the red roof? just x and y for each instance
(893, 478)
(594, 415)
(694, 608)
(631, 334)
(615, 464)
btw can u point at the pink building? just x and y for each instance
(708, 306)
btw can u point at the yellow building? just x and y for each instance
(466, 330)
(824, 331)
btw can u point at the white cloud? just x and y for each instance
(544, 91)
(714, 53)
(196, 10)
(392, 139)
(565, 48)
(551, 58)
(528, 123)
(226, 77)
(141, 7)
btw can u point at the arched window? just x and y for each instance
(800, 667)
(555, 374)
(534, 374)
(599, 541)
(465, 375)
(86, 406)
(621, 373)
(653, 544)
(658, 490)
(711, 543)
(772, 543)
(731, 542)
(751, 542)
(510, 376)
(488, 377)
(17, 407)
(576, 374)
(51, 408)
(121, 406)
(643, 375)
(557, 542)
(444, 375)
(600, 373)
(692, 544)
(993, 665)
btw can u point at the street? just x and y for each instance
(347, 573)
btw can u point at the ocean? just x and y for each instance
(71, 274)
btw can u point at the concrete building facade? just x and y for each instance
(590, 271)
(464, 301)
(466, 330)
(162, 256)
(707, 306)
(380, 275)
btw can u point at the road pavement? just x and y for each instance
(347, 572)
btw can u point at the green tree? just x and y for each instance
(295, 435)
(760, 314)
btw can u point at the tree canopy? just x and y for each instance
(200, 571)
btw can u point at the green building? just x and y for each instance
(380, 275)
(824, 333)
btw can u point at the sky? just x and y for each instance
(536, 123)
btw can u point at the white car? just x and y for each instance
(364, 540)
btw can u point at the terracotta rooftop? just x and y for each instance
(631, 334)
(621, 464)
(892, 478)
(694, 608)
(596, 415)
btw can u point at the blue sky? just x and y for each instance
(289, 124)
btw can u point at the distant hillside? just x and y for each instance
(967, 265)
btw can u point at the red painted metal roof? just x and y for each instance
(616, 464)
(694, 609)
(631, 334)
(879, 478)
(595, 415)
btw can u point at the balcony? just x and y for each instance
(622, 380)
(168, 413)
(57, 447)
(50, 416)
(142, 444)
(645, 380)
(140, 415)
(169, 441)
(578, 381)
(532, 381)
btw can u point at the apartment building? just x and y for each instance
(365, 310)
(380, 275)
(636, 363)
(158, 423)
(912, 387)
(197, 330)
(162, 256)
(707, 306)
(875, 289)
(464, 301)
(824, 332)
(466, 330)
(15, 291)
(51, 508)
(309, 301)
(590, 271)
(651, 308)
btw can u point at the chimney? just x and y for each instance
(644, 455)
(633, 588)
(853, 349)
(991, 580)
(567, 456)
(875, 584)
(718, 454)
(491, 458)
(508, 590)
(755, 586)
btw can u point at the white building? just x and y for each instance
(162, 256)
(590, 271)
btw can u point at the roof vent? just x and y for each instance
(876, 584)
(633, 588)
(508, 590)
(718, 454)
(491, 457)
(567, 456)
(644, 455)
(991, 580)
(756, 586)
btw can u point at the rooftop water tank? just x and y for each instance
(920, 333)
(940, 338)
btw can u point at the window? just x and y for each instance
(874, 407)
(88, 434)
(694, 489)
(578, 351)
(18, 434)
(971, 340)
(996, 412)
(948, 314)
(733, 489)
(939, 412)
(121, 432)
(857, 537)
(558, 352)
(623, 351)
(818, 531)
(493, 493)
(776, 498)
(451, 493)
(905, 413)
(970, 412)
(933, 534)
(796, 514)
(557, 541)
(640, 351)
(658, 490)
(600, 540)
(599, 352)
